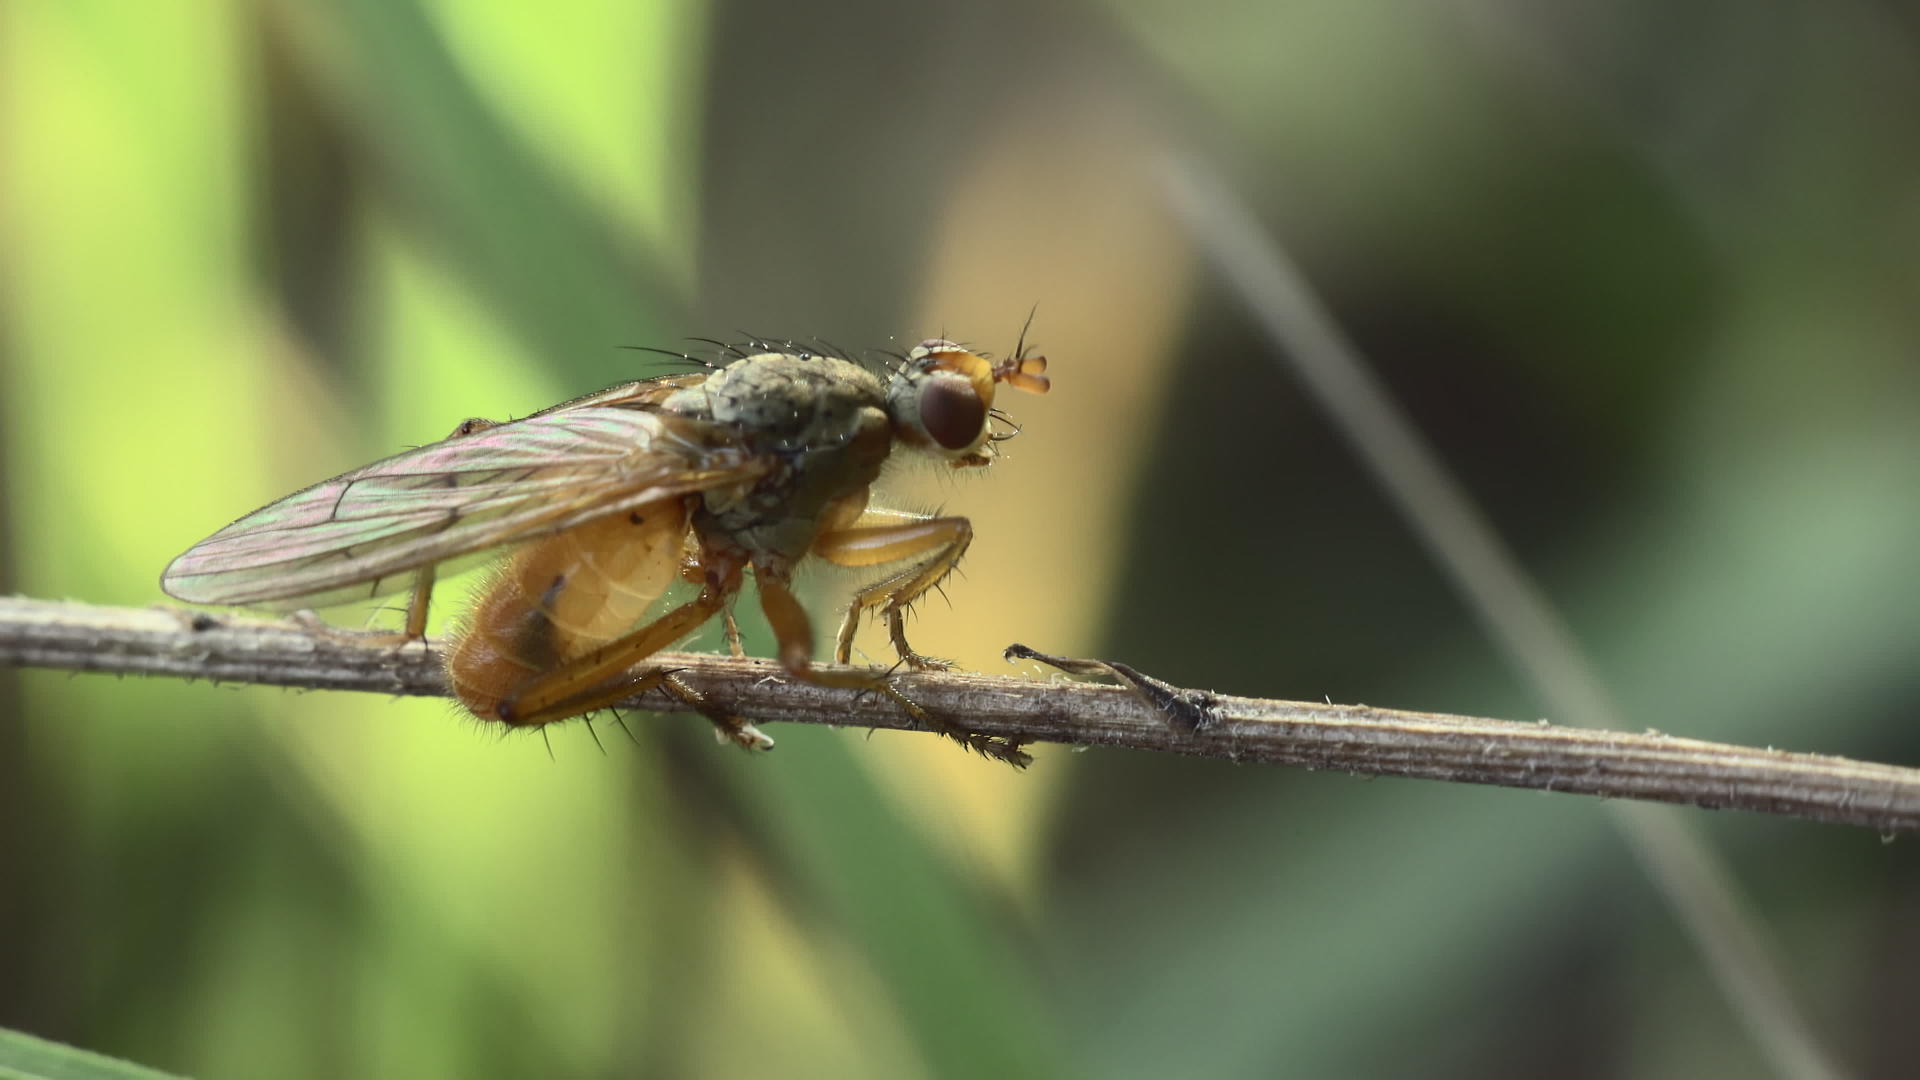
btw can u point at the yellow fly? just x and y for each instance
(759, 463)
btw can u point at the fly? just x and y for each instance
(607, 500)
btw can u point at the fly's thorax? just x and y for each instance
(780, 403)
(823, 425)
(779, 517)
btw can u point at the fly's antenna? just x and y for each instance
(1020, 370)
(1020, 345)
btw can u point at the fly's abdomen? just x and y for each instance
(559, 598)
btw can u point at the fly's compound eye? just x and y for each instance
(942, 397)
(951, 411)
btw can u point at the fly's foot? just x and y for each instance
(897, 630)
(996, 747)
(396, 641)
(727, 728)
(734, 730)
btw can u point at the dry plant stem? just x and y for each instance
(1349, 738)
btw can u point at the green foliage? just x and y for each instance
(23, 1057)
(1645, 279)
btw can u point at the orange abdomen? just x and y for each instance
(560, 597)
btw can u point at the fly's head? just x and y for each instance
(941, 399)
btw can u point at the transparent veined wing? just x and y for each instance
(641, 393)
(360, 534)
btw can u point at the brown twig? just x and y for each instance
(1350, 738)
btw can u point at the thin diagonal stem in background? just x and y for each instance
(1348, 738)
(1505, 598)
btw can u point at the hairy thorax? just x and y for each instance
(824, 420)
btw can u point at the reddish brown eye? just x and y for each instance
(951, 412)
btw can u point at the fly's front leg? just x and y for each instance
(794, 633)
(887, 536)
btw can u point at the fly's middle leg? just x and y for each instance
(794, 633)
(888, 536)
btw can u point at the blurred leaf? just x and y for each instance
(949, 960)
(23, 1057)
(569, 287)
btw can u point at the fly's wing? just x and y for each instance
(643, 393)
(360, 535)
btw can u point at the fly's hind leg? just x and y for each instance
(417, 601)
(726, 727)
(887, 536)
(419, 594)
(600, 677)
(422, 590)
(794, 633)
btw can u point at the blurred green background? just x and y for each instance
(1649, 274)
